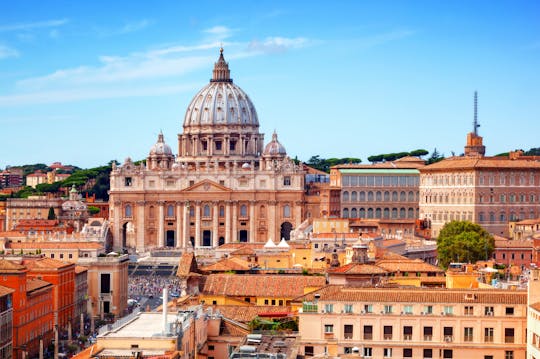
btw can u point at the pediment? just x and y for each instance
(207, 186)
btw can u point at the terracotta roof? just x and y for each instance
(473, 163)
(336, 235)
(244, 251)
(54, 245)
(358, 268)
(391, 242)
(187, 265)
(260, 285)
(416, 295)
(246, 313)
(37, 222)
(508, 243)
(404, 162)
(227, 264)
(7, 266)
(45, 263)
(528, 222)
(536, 306)
(383, 253)
(407, 265)
(80, 269)
(5, 291)
(33, 284)
(228, 328)
(12, 234)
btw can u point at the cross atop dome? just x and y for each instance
(221, 71)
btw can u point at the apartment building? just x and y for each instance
(413, 322)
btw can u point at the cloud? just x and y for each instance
(134, 26)
(277, 44)
(33, 25)
(219, 32)
(7, 52)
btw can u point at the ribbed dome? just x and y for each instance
(160, 148)
(221, 102)
(274, 148)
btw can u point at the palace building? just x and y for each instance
(224, 185)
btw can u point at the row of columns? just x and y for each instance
(192, 144)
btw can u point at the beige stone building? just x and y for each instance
(223, 186)
(489, 191)
(413, 323)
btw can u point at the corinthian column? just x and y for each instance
(215, 236)
(140, 245)
(228, 222)
(161, 234)
(198, 224)
(235, 221)
(252, 229)
(179, 236)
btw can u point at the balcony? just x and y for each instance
(308, 307)
(387, 337)
(428, 338)
(407, 337)
(328, 335)
(368, 336)
(348, 336)
(509, 339)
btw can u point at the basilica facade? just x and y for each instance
(224, 185)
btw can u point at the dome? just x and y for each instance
(274, 148)
(221, 102)
(160, 148)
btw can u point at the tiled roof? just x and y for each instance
(231, 329)
(227, 264)
(358, 268)
(246, 313)
(407, 265)
(80, 269)
(7, 266)
(416, 295)
(536, 306)
(528, 222)
(45, 263)
(33, 284)
(5, 291)
(244, 251)
(471, 163)
(260, 285)
(404, 162)
(54, 245)
(508, 243)
(187, 264)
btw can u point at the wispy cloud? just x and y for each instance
(134, 26)
(7, 52)
(277, 44)
(219, 32)
(33, 25)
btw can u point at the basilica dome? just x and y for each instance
(220, 103)
(160, 147)
(274, 148)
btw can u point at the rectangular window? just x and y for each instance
(508, 354)
(448, 354)
(387, 352)
(407, 332)
(128, 181)
(509, 311)
(368, 352)
(368, 308)
(328, 328)
(308, 350)
(469, 310)
(407, 352)
(348, 331)
(210, 347)
(105, 283)
(368, 332)
(448, 310)
(408, 309)
(287, 180)
(387, 332)
(428, 333)
(428, 353)
(488, 335)
(448, 333)
(329, 308)
(468, 334)
(218, 145)
(488, 311)
(508, 335)
(388, 309)
(428, 309)
(348, 308)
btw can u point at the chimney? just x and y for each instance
(165, 326)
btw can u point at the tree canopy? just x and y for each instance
(388, 157)
(463, 241)
(324, 165)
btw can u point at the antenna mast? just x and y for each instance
(475, 123)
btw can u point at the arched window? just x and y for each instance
(370, 196)
(345, 196)
(354, 213)
(402, 196)
(394, 212)
(353, 196)
(410, 214)
(386, 213)
(378, 213)
(370, 213)
(402, 213)
(221, 211)
(345, 213)
(151, 212)
(243, 210)
(206, 211)
(491, 216)
(411, 196)
(481, 217)
(502, 217)
(386, 196)
(362, 213)
(127, 211)
(262, 212)
(170, 210)
(286, 211)
(362, 197)
(378, 196)
(394, 196)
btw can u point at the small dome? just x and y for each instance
(274, 148)
(246, 166)
(160, 148)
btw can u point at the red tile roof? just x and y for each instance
(5, 291)
(34, 284)
(358, 268)
(260, 285)
(7, 266)
(45, 263)
(246, 313)
(474, 163)
(54, 245)
(228, 264)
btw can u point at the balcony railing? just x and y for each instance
(348, 335)
(368, 336)
(509, 339)
(387, 337)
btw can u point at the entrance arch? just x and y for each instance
(286, 228)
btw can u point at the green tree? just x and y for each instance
(435, 157)
(463, 241)
(418, 153)
(51, 214)
(93, 210)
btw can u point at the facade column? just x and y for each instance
(210, 143)
(235, 221)
(161, 219)
(297, 214)
(215, 227)
(179, 221)
(226, 144)
(228, 222)
(242, 146)
(140, 245)
(118, 213)
(272, 221)
(198, 224)
(252, 229)
(185, 227)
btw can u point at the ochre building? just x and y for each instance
(224, 185)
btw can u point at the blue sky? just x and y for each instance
(85, 82)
